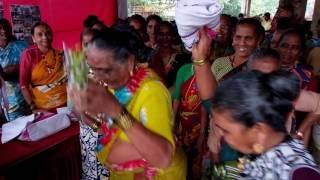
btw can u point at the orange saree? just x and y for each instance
(49, 82)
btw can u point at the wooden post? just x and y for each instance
(315, 17)
(248, 8)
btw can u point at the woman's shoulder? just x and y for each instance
(220, 60)
(150, 92)
(152, 84)
(291, 152)
(220, 66)
(59, 51)
(31, 49)
(19, 44)
(298, 150)
(29, 53)
(280, 160)
(185, 68)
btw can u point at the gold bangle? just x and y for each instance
(124, 120)
(90, 123)
(199, 62)
(94, 127)
(96, 119)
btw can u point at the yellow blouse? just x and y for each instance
(151, 106)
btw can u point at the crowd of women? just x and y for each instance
(241, 106)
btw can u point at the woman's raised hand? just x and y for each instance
(95, 99)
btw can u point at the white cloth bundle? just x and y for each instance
(191, 15)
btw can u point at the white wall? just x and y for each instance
(316, 16)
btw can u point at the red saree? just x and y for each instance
(189, 116)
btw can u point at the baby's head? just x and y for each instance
(264, 60)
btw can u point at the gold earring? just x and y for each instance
(258, 148)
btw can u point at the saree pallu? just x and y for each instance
(12, 100)
(234, 70)
(49, 82)
(222, 68)
(189, 116)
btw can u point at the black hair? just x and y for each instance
(235, 21)
(258, 28)
(7, 28)
(119, 22)
(177, 39)
(168, 25)
(41, 23)
(123, 41)
(267, 14)
(241, 15)
(140, 19)
(90, 21)
(283, 23)
(230, 20)
(261, 53)
(155, 17)
(294, 32)
(254, 97)
(172, 29)
(287, 7)
(101, 25)
(88, 31)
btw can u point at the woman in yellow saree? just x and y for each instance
(42, 77)
(135, 122)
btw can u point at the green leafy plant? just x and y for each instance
(77, 67)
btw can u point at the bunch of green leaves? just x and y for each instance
(78, 68)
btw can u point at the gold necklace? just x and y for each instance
(50, 67)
